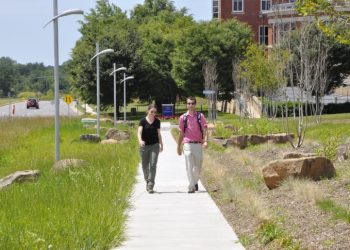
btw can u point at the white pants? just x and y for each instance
(194, 159)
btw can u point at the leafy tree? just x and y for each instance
(159, 35)
(109, 26)
(8, 75)
(199, 43)
(336, 25)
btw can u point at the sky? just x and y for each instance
(24, 40)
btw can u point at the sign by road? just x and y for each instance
(208, 92)
(68, 99)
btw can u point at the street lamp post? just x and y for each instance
(97, 55)
(115, 70)
(124, 80)
(56, 71)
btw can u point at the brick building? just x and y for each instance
(267, 18)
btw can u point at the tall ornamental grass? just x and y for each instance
(76, 209)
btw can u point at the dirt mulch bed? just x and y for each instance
(303, 221)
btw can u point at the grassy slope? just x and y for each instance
(77, 209)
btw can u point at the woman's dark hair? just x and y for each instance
(151, 106)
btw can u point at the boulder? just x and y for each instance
(68, 163)
(343, 152)
(90, 138)
(116, 134)
(19, 177)
(109, 141)
(280, 138)
(240, 141)
(257, 139)
(297, 155)
(315, 168)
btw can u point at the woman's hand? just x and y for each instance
(142, 143)
(161, 148)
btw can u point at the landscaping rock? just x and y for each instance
(116, 134)
(297, 155)
(90, 138)
(315, 168)
(280, 138)
(109, 141)
(240, 141)
(19, 177)
(68, 163)
(343, 152)
(257, 139)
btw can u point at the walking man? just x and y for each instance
(192, 139)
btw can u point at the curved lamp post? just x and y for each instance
(115, 70)
(124, 80)
(97, 56)
(56, 72)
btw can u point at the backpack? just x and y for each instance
(198, 120)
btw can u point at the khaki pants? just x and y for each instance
(193, 153)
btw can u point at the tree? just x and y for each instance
(8, 75)
(159, 35)
(110, 27)
(336, 25)
(215, 40)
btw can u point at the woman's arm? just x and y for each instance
(139, 136)
(160, 140)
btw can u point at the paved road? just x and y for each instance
(172, 219)
(47, 108)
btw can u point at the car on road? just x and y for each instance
(32, 103)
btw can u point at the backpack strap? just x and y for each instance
(185, 121)
(198, 120)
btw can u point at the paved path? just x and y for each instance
(171, 218)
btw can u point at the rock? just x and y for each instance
(68, 163)
(109, 141)
(19, 177)
(343, 152)
(116, 134)
(90, 138)
(315, 168)
(240, 141)
(257, 139)
(218, 141)
(297, 155)
(280, 138)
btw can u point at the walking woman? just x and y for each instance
(150, 141)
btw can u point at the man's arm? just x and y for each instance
(179, 143)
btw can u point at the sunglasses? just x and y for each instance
(191, 103)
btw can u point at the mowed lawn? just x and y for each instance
(76, 209)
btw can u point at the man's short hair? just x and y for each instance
(192, 98)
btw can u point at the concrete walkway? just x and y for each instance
(171, 218)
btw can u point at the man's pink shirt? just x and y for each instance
(193, 132)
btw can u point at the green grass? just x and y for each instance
(76, 209)
(338, 212)
(271, 232)
(5, 101)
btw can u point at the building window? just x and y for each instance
(237, 5)
(264, 35)
(215, 8)
(265, 4)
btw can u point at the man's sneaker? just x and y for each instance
(196, 187)
(191, 191)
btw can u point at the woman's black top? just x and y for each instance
(150, 131)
